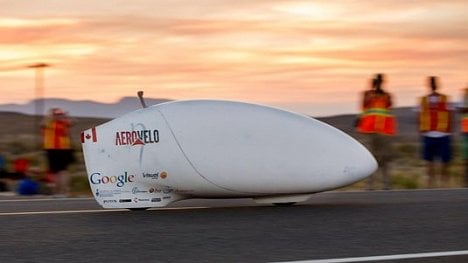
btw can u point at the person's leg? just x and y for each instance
(444, 175)
(56, 168)
(370, 182)
(68, 159)
(58, 183)
(465, 158)
(62, 185)
(431, 178)
(428, 156)
(368, 141)
(64, 182)
(51, 164)
(465, 183)
(386, 183)
(385, 155)
(445, 146)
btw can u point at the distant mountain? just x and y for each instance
(406, 116)
(84, 108)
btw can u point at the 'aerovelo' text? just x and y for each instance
(136, 137)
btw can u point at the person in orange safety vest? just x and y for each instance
(435, 127)
(58, 147)
(376, 116)
(379, 125)
(464, 133)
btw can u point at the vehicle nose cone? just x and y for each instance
(361, 164)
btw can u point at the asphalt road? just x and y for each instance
(330, 225)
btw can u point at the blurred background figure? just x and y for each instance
(27, 186)
(9, 178)
(3, 174)
(435, 117)
(464, 130)
(379, 125)
(58, 147)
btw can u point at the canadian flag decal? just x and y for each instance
(87, 135)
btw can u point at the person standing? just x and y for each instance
(435, 117)
(57, 144)
(379, 125)
(464, 130)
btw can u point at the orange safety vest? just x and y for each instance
(56, 135)
(464, 123)
(376, 117)
(464, 119)
(434, 116)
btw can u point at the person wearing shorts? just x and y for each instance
(435, 117)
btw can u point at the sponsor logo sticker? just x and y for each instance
(137, 137)
(136, 190)
(109, 193)
(136, 200)
(155, 176)
(118, 180)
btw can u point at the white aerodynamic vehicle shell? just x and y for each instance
(218, 149)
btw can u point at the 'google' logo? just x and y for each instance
(120, 180)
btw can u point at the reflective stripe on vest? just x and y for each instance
(464, 123)
(56, 136)
(377, 111)
(436, 118)
(377, 118)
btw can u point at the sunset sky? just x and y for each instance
(313, 57)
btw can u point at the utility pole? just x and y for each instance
(39, 102)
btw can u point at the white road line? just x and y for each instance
(60, 212)
(386, 257)
(95, 211)
(46, 199)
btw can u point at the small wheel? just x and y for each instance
(284, 204)
(138, 208)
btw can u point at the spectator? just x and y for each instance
(57, 144)
(3, 175)
(464, 130)
(378, 124)
(435, 117)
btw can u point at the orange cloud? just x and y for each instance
(280, 52)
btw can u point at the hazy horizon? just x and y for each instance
(120, 107)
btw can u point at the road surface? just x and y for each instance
(332, 225)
